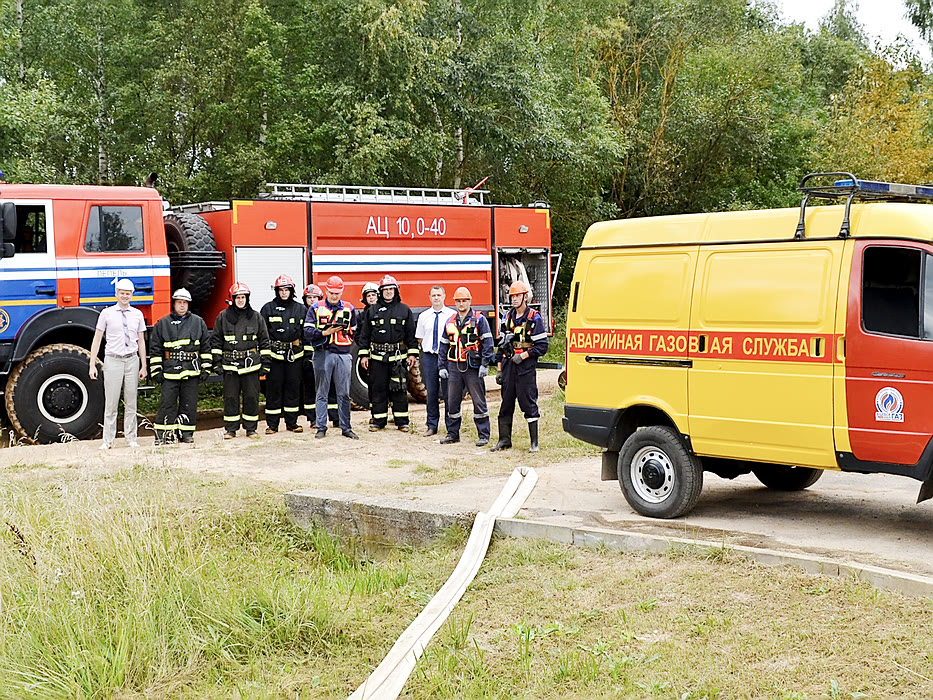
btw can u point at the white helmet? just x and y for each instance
(182, 293)
(124, 284)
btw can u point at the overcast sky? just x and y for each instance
(881, 18)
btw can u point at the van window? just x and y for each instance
(113, 229)
(891, 291)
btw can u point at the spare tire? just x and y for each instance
(186, 233)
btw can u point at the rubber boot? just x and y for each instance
(533, 434)
(505, 434)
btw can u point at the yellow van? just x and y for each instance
(780, 342)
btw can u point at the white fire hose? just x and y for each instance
(388, 679)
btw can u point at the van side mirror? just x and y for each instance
(8, 250)
(8, 221)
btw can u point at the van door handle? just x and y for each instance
(145, 288)
(841, 348)
(47, 291)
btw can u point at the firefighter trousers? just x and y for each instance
(237, 387)
(283, 393)
(178, 410)
(522, 386)
(457, 382)
(384, 390)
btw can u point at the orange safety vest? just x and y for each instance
(326, 317)
(464, 339)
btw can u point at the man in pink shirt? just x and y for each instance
(124, 329)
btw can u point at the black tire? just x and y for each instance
(659, 476)
(189, 232)
(783, 478)
(416, 388)
(50, 396)
(359, 383)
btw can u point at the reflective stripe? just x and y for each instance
(481, 415)
(176, 343)
(398, 414)
(275, 318)
(184, 374)
(273, 411)
(188, 428)
(380, 415)
(455, 415)
(246, 417)
(155, 360)
(291, 409)
(229, 337)
(532, 420)
(231, 419)
(539, 336)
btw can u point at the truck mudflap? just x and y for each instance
(922, 470)
(590, 424)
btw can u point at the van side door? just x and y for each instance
(762, 325)
(888, 356)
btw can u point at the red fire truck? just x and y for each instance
(65, 246)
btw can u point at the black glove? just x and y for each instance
(218, 369)
(156, 377)
(517, 358)
(499, 378)
(205, 373)
(266, 369)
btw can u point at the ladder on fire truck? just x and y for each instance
(389, 195)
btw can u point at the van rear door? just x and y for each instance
(888, 356)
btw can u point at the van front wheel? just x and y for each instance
(659, 476)
(784, 478)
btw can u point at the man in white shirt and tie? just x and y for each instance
(430, 326)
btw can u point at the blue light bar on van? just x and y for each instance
(891, 188)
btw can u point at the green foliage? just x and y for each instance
(602, 108)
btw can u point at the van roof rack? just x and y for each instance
(846, 185)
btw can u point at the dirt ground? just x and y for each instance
(871, 519)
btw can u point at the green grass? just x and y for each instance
(147, 582)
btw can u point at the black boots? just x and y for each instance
(533, 434)
(505, 434)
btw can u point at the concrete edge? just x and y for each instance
(622, 541)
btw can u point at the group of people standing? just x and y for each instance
(304, 350)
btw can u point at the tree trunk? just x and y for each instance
(19, 42)
(102, 167)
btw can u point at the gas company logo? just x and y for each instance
(4, 320)
(890, 405)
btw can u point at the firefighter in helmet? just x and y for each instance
(329, 328)
(311, 294)
(284, 316)
(465, 351)
(388, 350)
(522, 340)
(240, 348)
(179, 356)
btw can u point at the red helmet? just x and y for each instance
(313, 290)
(388, 281)
(334, 284)
(519, 287)
(238, 288)
(283, 281)
(462, 293)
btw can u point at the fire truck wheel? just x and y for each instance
(49, 395)
(659, 476)
(189, 233)
(784, 478)
(359, 383)
(419, 393)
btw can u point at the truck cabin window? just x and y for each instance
(30, 230)
(893, 287)
(114, 229)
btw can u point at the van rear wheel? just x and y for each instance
(783, 478)
(659, 476)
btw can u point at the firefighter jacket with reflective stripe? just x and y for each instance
(387, 331)
(528, 335)
(240, 341)
(285, 324)
(322, 316)
(466, 341)
(179, 347)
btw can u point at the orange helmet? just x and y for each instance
(238, 288)
(283, 281)
(519, 287)
(334, 284)
(313, 290)
(388, 281)
(462, 293)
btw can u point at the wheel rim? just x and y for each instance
(62, 398)
(652, 475)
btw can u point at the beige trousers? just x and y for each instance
(120, 372)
